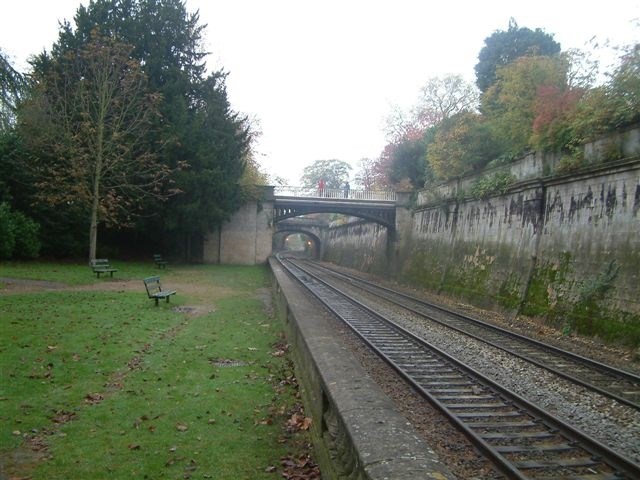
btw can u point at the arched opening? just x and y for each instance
(298, 243)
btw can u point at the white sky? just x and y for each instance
(321, 76)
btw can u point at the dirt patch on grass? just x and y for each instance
(19, 285)
(204, 294)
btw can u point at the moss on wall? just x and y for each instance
(468, 274)
(548, 296)
(547, 288)
(425, 267)
(510, 292)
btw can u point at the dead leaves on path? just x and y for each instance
(300, 468)
(298, 422)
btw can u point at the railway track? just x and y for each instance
(522, 440)
(622, 386)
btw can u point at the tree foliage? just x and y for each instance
(12, 86)
(403, 162)
(503, 47)
(443, 97)
(509, 105)
(91, 113)
(367, 175)
(204, 142)
(18, 234)
(462, 144)
(439, 99)
(334, 173)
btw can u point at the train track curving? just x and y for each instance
(522, 440)
(614, 383)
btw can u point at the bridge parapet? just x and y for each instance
(350, 194)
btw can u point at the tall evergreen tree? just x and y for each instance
(503, 47)
(12, 85)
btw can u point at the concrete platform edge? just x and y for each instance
(357, 432)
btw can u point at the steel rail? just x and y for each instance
(626, 393)
(511, 405)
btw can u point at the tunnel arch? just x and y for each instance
(285, 232)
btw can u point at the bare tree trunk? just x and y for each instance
(95, 203)
(93, 230)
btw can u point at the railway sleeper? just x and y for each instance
(500, 425)
(557, 464)
(461, 383)
(488, 414)
(586, 476)
(503, 436)
(454, 398)
(541, 448)
(455, 406)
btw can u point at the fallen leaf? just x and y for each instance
(299, 422)
(93, 398)
(181, 427)
(134, 446)
(63, 416)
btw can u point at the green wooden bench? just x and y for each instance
(101, 265)
(158, 260)
(155, 291)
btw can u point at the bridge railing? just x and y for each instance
(351, 194)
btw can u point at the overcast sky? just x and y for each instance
(322, 76)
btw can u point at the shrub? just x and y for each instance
(18, 234)
(7, 232)
(27, 236)
(489, 185)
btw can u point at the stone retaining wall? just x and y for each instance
(566, 248)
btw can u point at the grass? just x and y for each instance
(97, 382)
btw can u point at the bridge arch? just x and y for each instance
(280, 235)
(386, 219)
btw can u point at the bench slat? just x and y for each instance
(154, 289)
(160, 263)
(101, 265)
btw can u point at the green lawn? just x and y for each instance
(97, 382)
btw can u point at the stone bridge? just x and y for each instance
(376, 206)
(248, 238)
(313, 228)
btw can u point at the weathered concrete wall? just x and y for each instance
(246, 239)
(592, 225)
(360, 245)
(479, 249)
(566, 248)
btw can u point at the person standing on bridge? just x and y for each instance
(346, 189)
(321, 187)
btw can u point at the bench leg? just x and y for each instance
(156, 299)
(168, 298)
